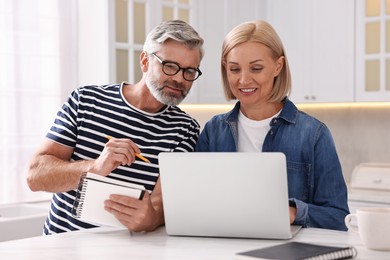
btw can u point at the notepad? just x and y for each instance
(298, 250)
(93, 190)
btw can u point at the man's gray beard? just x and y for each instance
(160, 96)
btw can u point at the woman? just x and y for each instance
(255, 72)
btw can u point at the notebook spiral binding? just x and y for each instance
(346, 253)
(80, 194)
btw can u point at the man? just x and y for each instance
(104, 129)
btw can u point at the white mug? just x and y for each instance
(373, 226)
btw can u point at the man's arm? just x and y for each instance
(51, 169)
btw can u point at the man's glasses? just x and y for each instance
(172, 68)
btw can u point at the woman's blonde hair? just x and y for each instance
(261, 32)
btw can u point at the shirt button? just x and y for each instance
(272, 132)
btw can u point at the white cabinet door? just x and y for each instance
(319, 40)
(332, 57)
(207, 89)
(290, 20)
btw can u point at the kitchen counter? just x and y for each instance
(115, 243)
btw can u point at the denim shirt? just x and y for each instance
(315, 181)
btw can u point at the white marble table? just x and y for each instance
(114, 243)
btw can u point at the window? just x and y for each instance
(38, 65)
(133, 20)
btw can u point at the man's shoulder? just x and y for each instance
(108, 87)
(98, 91)
(183, 115)
(178, 111)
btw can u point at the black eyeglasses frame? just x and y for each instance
(164, 63)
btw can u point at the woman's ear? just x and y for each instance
(144, 61)
(279, 65)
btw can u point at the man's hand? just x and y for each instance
(136, 215)
(116, 152)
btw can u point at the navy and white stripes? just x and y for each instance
(90, 114)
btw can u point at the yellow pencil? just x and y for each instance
(137, 154)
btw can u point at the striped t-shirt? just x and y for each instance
(92, 113)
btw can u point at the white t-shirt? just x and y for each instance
(251, 133)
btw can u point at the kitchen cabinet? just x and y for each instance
(319, 40)
(372, 50)
(318, 37)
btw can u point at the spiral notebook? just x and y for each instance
(93, 190)
(298, 250)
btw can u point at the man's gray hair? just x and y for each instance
(176, 30)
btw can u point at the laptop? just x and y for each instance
(226, 194)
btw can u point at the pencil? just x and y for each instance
(137, 154)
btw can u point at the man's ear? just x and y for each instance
(144, 61)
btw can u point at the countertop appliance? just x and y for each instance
(370, 186)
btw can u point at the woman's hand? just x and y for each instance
(293, 214)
